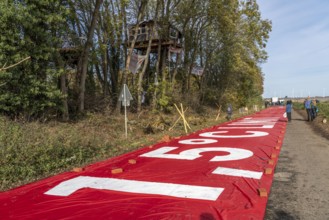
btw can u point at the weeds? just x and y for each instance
(324, 109)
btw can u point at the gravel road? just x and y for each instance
(300, 188)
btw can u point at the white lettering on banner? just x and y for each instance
(273, 119)
(191, 154)
(237, 172)
(266, 123)
(68, 187)
(253, 122)
(198, 141)
(216, 134)
(161, 153)
(263, 126)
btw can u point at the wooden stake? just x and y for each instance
(186, 125)
(219, 111)
(177, 120)
(183, 117)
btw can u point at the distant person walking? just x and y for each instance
(314, 109)
(229, 112)
(307, 105)
(288, 110)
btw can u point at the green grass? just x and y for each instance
(31, 151)
(322, 106)
(324, 109)
(298, 105)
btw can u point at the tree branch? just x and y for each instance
(11, 66)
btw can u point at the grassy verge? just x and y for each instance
(32, 151)
(324, 109)
(322, 106)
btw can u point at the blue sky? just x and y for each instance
(298, 48)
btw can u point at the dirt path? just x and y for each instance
(300, 188)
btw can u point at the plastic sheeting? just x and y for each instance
(215, 173)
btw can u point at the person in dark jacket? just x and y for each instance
(229, 112)
(307, 105)
(314, 109)
(288, 110)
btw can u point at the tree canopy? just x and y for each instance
(80, 52)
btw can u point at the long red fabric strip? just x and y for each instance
(222, 172)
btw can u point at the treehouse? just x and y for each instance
(70, 55)
(165, 34)
(71, 49)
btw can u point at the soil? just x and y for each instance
(300, 189)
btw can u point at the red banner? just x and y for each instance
(223, 172)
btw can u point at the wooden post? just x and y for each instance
(181, 112)
(219, 111)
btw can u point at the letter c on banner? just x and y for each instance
(217, 134)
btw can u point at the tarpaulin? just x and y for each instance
(222, 172)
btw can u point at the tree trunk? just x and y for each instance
(157, 71)
(164, 72)
(65, 115)
(141, 75)
(63, 88)
(140, 15)
(102, 40)
(85, 55)
(146, 62)
(178, 61)
(132, 46)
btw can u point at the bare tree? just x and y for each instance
(83, 63)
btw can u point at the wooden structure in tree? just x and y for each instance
(165, 34)
(70, 55)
